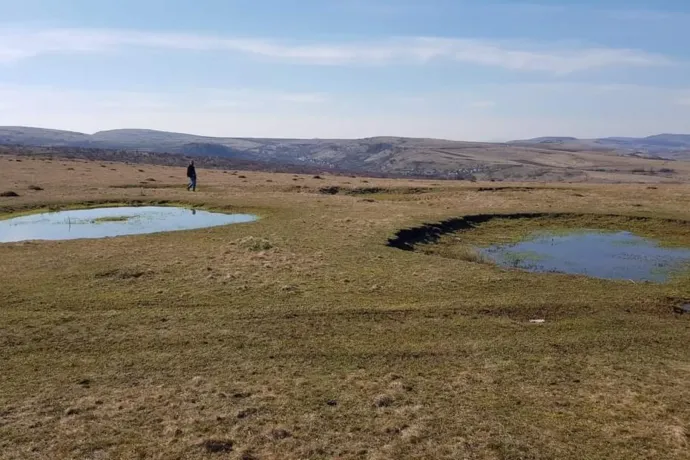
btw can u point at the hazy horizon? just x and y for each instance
(313, 137)
(457, 70)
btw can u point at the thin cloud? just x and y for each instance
(15, 97)
(19, 44)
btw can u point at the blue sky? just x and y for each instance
(470, 70)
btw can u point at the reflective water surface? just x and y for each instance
(114, 221)
(619, 255)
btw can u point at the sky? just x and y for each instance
(454, 69)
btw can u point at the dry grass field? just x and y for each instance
(304, 336)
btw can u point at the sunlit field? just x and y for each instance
(305, 335)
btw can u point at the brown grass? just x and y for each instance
(303, 335)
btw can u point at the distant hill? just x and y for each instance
(550, 140)
(672, 146)
(19, 135)
(546, 158)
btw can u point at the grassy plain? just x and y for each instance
(303, 335)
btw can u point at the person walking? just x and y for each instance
(191, 174)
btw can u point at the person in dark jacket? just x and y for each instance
(191, 174)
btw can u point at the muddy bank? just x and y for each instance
(406, 239)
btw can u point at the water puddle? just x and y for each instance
(114, 221)
(620, 255)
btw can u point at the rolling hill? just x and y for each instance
(669, 146)
(548, 158)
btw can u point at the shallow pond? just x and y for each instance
(620, 255)
(113, 221)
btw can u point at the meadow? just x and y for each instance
(304, 335)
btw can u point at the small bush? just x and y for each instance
(35, 188)
(9, 194)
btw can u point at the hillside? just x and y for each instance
(668, 146)
(553, 158)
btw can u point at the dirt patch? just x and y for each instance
(329, 190)
(516, 189)
(151, 185)
(679, 305)
(246, 413)
(123, 274)
(357, 191)
(217, 447)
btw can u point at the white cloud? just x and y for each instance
(21, 43)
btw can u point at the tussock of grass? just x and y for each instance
(471, 255)
(251, 243)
